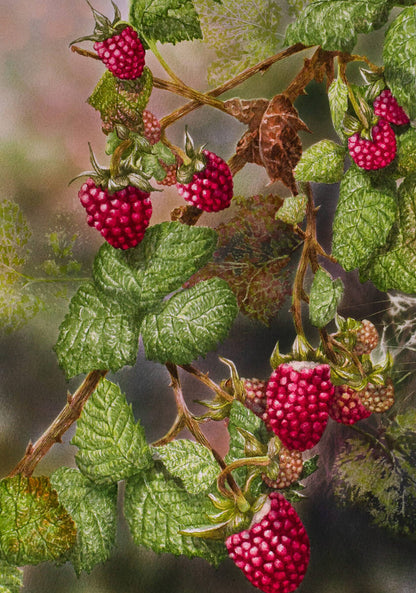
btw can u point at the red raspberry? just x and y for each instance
(377, 153)
(121, 217)
(151, 127)
(123, 54)
(210, 190)
(274, 552)
(170, 178)
(386, 106)
(367, 338)
(256, 399)
(378, 398)
(290, 469)
(298, 397)
(346, 406)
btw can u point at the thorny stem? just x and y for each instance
(204, 378)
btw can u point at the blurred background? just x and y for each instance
(45, 127)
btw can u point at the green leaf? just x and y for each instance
(193, 463)
(395, 266)
(168, 255)
(324, 298)
(14, 235)
(34, 526)
(293, 209)
(338, 104)
(241, 417)
(97, 333)
(111, 445)
(190, 324)
(94, 510)
(406, 153)
(167, 21)
(334, 24)
(163, 153)
(11, 578)
(157, 508)
(322, 162)
(363, 219)
(241, 33)
(399, 56)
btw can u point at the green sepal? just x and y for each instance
(324, 298)
(277, 358)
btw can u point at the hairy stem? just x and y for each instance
(204, 378)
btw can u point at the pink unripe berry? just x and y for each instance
(386, 106)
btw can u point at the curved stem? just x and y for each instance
(204, 378)
(243, 462)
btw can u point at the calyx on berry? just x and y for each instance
(195, 162)
(104, 28)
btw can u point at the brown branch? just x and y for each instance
(69, 414)
(204, 378)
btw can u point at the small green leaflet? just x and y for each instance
(191, 323)
(363, 219)
(157, 508)
(34, 526)
(322, 162)
(167, 21)
(293, 209)
(338, 103)
(111, 445)
(324, 298)
(399, 56)
(395, 266)
(94, 510)
(240, 417)
(334, 24)
(11, 578)
(193, 463)
(97, 333)
(406, 153)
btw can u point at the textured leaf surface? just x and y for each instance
(406, 153)
(191, 324)
(168, 255)
(94, 510)
(395, 266)
(322, 162)
(241, 33)
(34, 526)
(167, 21)
(157, 507)
(324, 298)
(363, 219)
(111, 445)
(334, 24)
(293, 209)
(241, 417)
(193, 463)
(96, 334)
(399, 56)
(253, 256)
(11, 578)
(338, 104)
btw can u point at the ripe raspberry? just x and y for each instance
(274, 552)
(346, 406)
(386, 106)
(378, 398)
(367, 338)
(210, 190)
(151, 127)
(121, 217)
(377, 153)
(256, 399)
(298, 398)
(290, 469)
(123, 54)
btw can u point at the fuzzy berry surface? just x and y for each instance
(290, 469)
(210, 190)
(274, 552)
(366, 338)
(123, 54)
(298, 399)
(378, 398)
(346, 406)
(255, 395)
(151, 127)
(387, 107)
(376, 153)
(121, 217)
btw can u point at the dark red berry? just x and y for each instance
(255, 392)
(210, 190)
(123, 54)
(121, 217)
(386, 106)
(274, 552)
(346, 406)
(376, 153)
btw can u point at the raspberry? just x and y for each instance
(367, 338)
(256, 398)
(298, 398)
(121, 217)
(290, 469)
(151, 127)
(123, 54)
(378, 398)
(386, 106)
(377, 153)
(346, 406)
(170, 178)
(211, 189)
(274, 552)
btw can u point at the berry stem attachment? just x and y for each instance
(243, 462)
(116, 156)
(85, 52)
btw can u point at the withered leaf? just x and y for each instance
(249, 112)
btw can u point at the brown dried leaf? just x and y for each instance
(247, 111)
